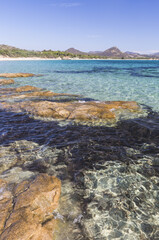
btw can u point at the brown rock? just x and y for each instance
(27, 89)
(5, 203)
(30, 92)
(130, 105)
(26, 209)
(15, 75)
(87, 111)
(36, 94)
(6, 81)
(92, 111)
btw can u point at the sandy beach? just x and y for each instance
(25, 59)
(49, 59)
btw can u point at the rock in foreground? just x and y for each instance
(26, 209)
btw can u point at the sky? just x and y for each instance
(130, 25)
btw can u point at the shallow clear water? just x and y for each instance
(109, 175)
(103, 80)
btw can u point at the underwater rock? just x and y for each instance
(25, 92)
(15, 75)
(27, 89)
(6, 81)
(16, 154)
(26, 208)
(80, 111)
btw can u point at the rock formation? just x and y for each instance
(6, 81)
(27, 208)
(81, 111)
(27, 88)
(16, 75)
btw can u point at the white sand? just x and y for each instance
(25, 59)
(47, 59)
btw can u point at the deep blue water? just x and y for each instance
(102, 80)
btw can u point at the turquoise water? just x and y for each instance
(109, 175)
(101, 80)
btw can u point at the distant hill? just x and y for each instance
(9, 51)
(75, 51)
(155, 54)
(94, 52)
(112, 53)
(134, 55)
(6, 47)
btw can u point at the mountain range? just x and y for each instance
(112, 53)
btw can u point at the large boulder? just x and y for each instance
(27, 208)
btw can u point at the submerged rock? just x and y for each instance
(26, 208)
(15, 75)
(70, 108)
(6, 81)
(80, 111)
(26, 88)
(25, 92)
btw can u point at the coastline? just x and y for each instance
(72, 59)
(25, 59)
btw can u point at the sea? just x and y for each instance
(136, 80)
(109, 174)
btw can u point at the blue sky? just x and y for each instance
(84, 24)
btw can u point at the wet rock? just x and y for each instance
(26, 208)
(15, 75)
(16, 154)
(6, 81)
(115, 234)
(155, 236)
(27, 89)
(39, 94)
(147, 228)
(88, 111)
(118, 214)
(16, 175)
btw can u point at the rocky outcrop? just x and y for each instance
(82, 111)
(31, 92)
(16, 75)
(27, 208)
(26, 88)
(6, 81)
(65, 106)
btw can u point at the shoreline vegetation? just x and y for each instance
(12, 53)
